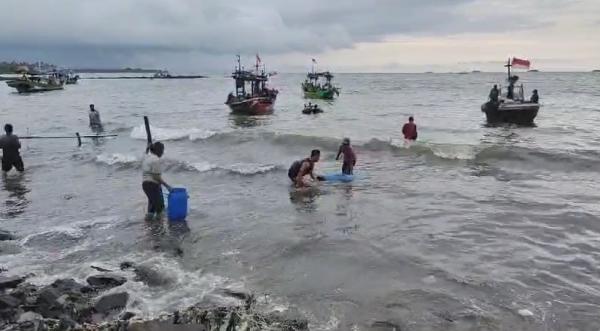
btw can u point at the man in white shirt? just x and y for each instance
(152, 180)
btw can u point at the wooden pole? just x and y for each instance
(148, 133)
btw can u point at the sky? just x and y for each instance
(203, 36)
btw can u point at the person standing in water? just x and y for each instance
(94, 115)
(349, 157)
(410, 129)
(304, 167)
(10, 145)
(152, 181)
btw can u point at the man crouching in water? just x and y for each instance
(304, 167)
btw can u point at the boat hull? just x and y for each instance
(518, 113)
(320, 94)
(23, 86)
(252, 106)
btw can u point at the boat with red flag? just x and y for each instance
(508, 105)
(252, 95)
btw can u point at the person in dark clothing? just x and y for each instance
(494, 93)
(349, 157)
(10, 145)
(535, 98)
(152, 180)
(410, 129)
(304, 167)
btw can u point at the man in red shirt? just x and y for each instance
(410, 129)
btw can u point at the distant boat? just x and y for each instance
(533, 70)
(318, 86)
(36, 83)
(258, 99)
(163, 74)
(475, 71)
(462, 73)
(596, 70)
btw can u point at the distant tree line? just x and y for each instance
(14, 66)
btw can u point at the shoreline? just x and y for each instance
(66, 304)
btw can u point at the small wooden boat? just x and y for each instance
(511, 106)
(252, 96)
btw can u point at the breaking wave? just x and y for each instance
(126, 161)
(171, 134)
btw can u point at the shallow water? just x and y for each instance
(471, 228)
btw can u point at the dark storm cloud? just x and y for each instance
(108, 30)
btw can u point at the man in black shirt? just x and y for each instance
(10, 145)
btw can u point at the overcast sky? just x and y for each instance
(343, 35)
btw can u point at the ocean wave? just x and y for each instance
(171, 134)
(127, 161)
(244, 169)
(117, 159)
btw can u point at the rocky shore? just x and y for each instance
(99, 305)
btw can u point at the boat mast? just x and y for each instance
(508, 65)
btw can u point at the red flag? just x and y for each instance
(258, 58)
(520, 63)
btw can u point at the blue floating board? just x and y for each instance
(338, 177)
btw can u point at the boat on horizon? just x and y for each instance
(511, 106)
(31, 83)
(252, 96)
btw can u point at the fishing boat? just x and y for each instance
(511, 106)
(68, 77)
(317, 85)
(252, 96)
(30, 83)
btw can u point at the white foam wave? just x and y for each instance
(189, 288)
(116, 158)
(237, 168)
(250, 169)
(171, 134)
(202, 166)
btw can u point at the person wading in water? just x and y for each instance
(304, 167)
(10, 145)
(152, 181)
(349, 157)
(410, 129)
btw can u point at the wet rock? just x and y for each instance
(47, 302)
(147, 274)
(110, 302)
(70, 286)
(29, 317)
(26, 293)
(106, 281)
(8, 302)
(100, 269)
(5, 235)
(165, 326)
(126, 316)
(248, 299)
(10, 282)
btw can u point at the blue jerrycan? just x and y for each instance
(178, 204)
